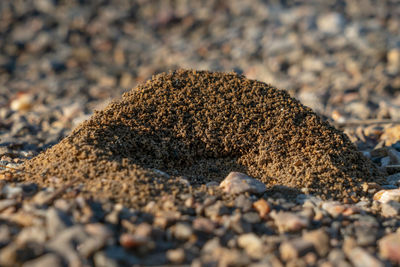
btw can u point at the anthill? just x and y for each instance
(202, 125)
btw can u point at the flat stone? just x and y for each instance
(295, 248)
(237, 183)
(389, 247)
(362, 258)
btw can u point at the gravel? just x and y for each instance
(61, 60)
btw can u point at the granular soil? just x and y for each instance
(201, 125)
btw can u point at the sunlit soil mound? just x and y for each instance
(202, 125)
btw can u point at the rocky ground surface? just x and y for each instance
(60, 62)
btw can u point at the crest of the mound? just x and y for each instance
(202, 125)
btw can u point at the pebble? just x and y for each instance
(99, 230)
(362, 258)
(237, 183)
(336, 209)
(294, 249)
(303, 49)
(390, 209)
(114, 256)
(22, 102)
(33, 234)
(91, 245)
(385, 196)
(289, 222)
(389, 247)
(262, 207)
(216, 210)
(130, 241)
(57, 221)
(6, 203)
(176, 256)
(203, 224)
(182, 231)
(11, 191)
(320, 240)
(243, 202)
(65, 242)
(5, 235)
(394, 179)
(49, 259)
(331, 23)
(252, 244)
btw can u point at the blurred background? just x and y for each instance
(61, 59)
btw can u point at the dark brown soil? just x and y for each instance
(202, 125)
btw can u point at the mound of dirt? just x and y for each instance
(202, 125)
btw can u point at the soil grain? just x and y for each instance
(202, 125)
